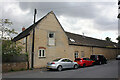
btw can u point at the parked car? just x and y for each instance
(61, 63)
(99, 59)
(118, 57)
(84, 62)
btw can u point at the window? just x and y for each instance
(82, 54)
(78, 59)
(76, 54)
(51, 38)
(57, 59)
(69, 60)
(88, 59)
(64, 60)
(51, 35)
(41, 53)
(72, 40)
(84, 59)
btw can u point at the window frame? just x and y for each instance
(64, 60)
(41, 53)
(51, 40)
(76, 54)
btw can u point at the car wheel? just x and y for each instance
(105, 62)
(59, 68)
(75, 66)
(92, 64)
(84, 65)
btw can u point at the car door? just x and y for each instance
(89, 61)
(70, 63)
(104, 59)
(100, 58)
(64, 63)
(85, 61)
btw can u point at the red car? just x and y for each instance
(84, 61)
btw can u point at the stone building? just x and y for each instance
(52, 41)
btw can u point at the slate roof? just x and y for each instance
(27, 31)
(80, 40)
(73, 39)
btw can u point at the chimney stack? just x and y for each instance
(23, 28)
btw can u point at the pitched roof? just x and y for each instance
(73, 39)
(27, 31)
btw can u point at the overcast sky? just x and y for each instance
(94, 19)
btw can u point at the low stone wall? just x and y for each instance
(14, 66)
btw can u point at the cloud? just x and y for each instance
(103, 14)
(76, 17)
(12, 11)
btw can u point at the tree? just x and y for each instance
(4, 29)
(118, 38)
(108, 39)
(10, 48)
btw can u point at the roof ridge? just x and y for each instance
(30, 28)
(88, 37)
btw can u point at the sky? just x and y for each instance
(94, 19)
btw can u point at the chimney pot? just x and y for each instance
(23, 28)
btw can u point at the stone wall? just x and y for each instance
(6, 67)
(109, 53)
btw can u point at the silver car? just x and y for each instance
(118, 57)
(61, 63)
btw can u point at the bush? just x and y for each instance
(11, 52)
(9, 47)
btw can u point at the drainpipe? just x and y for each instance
(92, 50)
(32, 55)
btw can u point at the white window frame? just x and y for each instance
(51, 41)
(76, 54)
(41, 53)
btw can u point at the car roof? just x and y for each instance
(97, 55)
(64, 58)
(77, 58)
(82, 58)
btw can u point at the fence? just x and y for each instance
(14, 62)
(14, 58)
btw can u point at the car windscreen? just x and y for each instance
(57, 59)
(84, 58)
(77, 59)
(93, 57)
